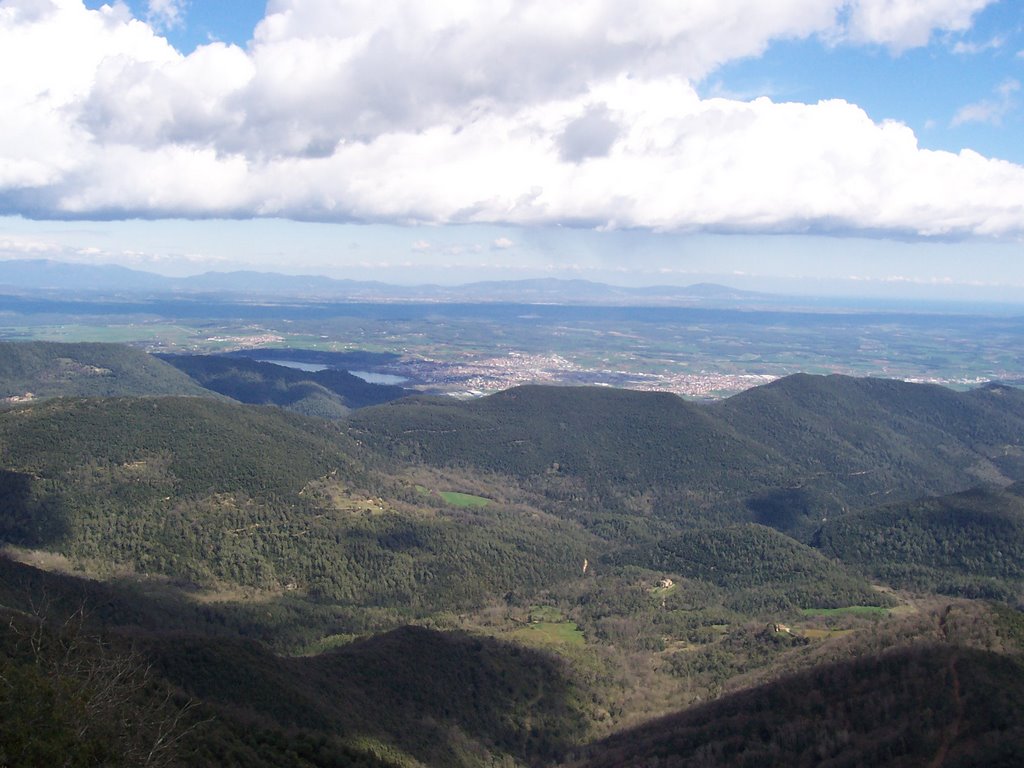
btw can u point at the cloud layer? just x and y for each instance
(521, 111)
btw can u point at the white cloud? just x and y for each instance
(990, 110)
(1008, 87)
(985, 111)
(965, 47)
(903, 24)
(166, 14)
(522, 112)
(13, 246)
(20, 247)
(503, 243)
(592, 134)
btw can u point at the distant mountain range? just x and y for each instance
(53, 277)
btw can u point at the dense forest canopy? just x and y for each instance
(506, 580)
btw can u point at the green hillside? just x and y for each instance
(40, 369)
(761, 569)
(185, 445)
(785, 455)
(327, 394)
(221, 494)
(864, 438)
(420, 697)
(969, 544)
(503, 581)
(615, 449)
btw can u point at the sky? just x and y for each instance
(869, 147)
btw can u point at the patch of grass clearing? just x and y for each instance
(850, 610)
(550, 633)
(548, 627)
(457, 499)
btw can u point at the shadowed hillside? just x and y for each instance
(445, 698)
(327, 394)
(409, 697)
(922, 706)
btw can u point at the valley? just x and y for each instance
(699, 348)
(318, 570)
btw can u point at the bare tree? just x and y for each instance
(60, 682)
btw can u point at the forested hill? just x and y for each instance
(327, 394)
(184, 445)
(597, 435)
(39, 369)
(407, 698)
(786, 454)
(580, 560)
(969, 544)
(220, 493)
(883, 434)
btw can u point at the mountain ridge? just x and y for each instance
(842, 441)
(43, 275)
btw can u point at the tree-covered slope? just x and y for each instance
(185, 445)
(969, 544)
(40, 369)
(785, 455)
(223, 494)
(760, 569)
(860, 438)
(268, 531)
(607, 447)
(327, 394)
